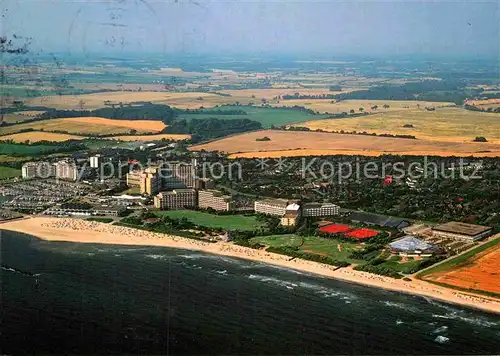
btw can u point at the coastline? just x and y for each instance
(82, 231)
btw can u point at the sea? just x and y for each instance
(69, 298)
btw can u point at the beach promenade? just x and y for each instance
(82, 231)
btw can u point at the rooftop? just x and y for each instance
(457, 227)
(277, 202)
(294, 207)
(318, 205)
(411, 243)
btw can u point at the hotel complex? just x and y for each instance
(214, 199)
(176, 199)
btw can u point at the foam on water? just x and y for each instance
(471, 320)
(401, 306)
(442, 339)
(157, 257)
(440, 330)
(323, 291)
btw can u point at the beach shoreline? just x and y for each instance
(83, 231)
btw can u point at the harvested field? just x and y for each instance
(176, 137)
(321, 143)
(480, 273)
(97, 100)
(37, 136)
(445, 124)
(88, 125)
(269, 94)
(327, 106)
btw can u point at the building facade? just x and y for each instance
(66, 170)
(95, 161)
(41, 169)
(178, 175)
(214, 199)
(271, 206)
(134, 178)
(319, 209)
(150, 182)
(461, 231)
(291, 216)
(178, 199)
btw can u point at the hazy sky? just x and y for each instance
(323, 27)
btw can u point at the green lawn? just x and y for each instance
(230, 222)
(24, 150)
(311, 244)
(8, 172)
(266, 116)
(406, 268)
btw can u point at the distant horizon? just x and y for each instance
(331, 28)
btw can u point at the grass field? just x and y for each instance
(475, 270)
(445, 124)
(266, 116)
(327, 106)
(8, 172)
(230, 222)
(24, 150)
(339, 250)
(295, 143)
(88, 125)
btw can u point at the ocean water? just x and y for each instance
(88, 299)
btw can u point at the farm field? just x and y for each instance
(10, 149)
(97, 100)
(158, 137)
(300, 143)
(231, 222)
(444, 124)
(266, 116)
(20, 116)
(327, 106)
(270, 94)
(336, 249)
(475, 270)
(37, 136)
(8, 172)
(88, 125)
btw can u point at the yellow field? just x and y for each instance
(269, 94)
(294, 143)
(97, 100)
(37, 136)
(89, 125)
(327, 106)
(445, 124)
(177, 137)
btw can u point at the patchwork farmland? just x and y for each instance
(299, 143)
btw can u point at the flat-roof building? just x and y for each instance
(292, 215)
(319, 209)
(271, 206)
(462, 231)
(40, 169)
(214, 199)
(177, 199)
(66, 170)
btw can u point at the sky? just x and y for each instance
(257, 26)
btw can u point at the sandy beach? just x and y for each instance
(82, 231)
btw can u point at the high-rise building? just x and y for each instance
(134, 178)
(204, 183)
(150, 182)
(66, 170)
(176, 199)
(41, 169)
(178, 175)
(214, 199)
(95, 161)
